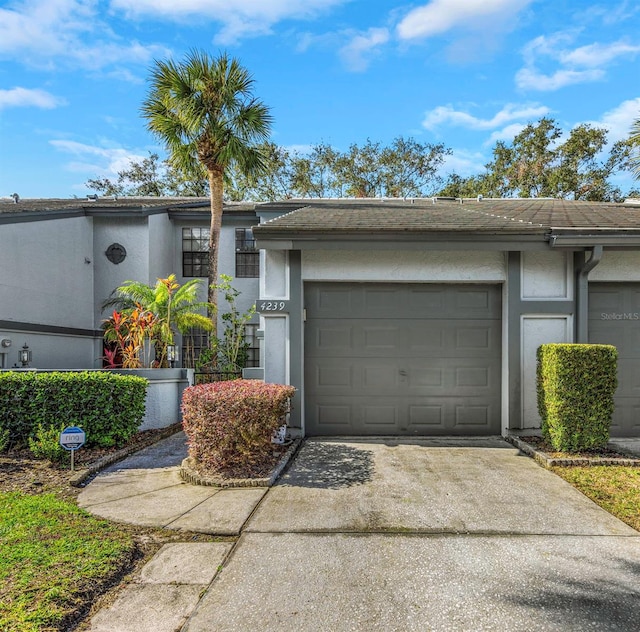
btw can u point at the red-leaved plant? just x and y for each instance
(229, 425)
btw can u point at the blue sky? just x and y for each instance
(461, 72)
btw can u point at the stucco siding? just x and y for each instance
(546, 275)
(51, 351)
(617, 266)
(403, 266)
(48, 275)
(133, 234)
(161, 247)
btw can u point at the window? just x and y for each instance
(247, 257)
(253, 350)
(196, 341)
(195, 252)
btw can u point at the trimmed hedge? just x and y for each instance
(229, 425)
(107, 406)
(576, 384)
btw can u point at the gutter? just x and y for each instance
(582, 294)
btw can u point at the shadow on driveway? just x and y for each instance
(330, 466)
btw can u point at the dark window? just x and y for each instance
(195, 252)
(253, 350)
(247, 257)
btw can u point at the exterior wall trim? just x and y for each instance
(12, 325)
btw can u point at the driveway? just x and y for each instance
(424, 535)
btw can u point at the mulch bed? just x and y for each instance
(20, 471)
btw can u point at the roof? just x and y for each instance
(188, 207)
(417, 218)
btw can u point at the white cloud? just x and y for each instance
(96, 161)
(573, 65)
(239, 18)
(358, 51)
(447, 115)
(463, 162)
(618, 121)
(596, 55)
(507, 133)
(26, 97)
(531, 79)
(43, 33)
(440, 16)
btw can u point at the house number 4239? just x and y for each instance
(273, 306)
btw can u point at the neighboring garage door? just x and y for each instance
(397, 359)
(614, 319)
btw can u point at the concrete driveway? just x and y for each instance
(424, 535)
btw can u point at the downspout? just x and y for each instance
(582, 294)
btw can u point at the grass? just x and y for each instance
(615, 488)
(53, 557)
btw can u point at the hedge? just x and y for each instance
(229, 425)
(576, 384)
(109, 407)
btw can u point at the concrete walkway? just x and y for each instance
(380, 535)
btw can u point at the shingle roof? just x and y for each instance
(119, 204)
(489, 216)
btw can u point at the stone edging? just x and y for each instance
(189, 474)
(547, 461)
(83, 474)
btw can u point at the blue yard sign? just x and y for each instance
(71, 439)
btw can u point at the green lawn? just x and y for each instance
(614, 488)
(53, 556)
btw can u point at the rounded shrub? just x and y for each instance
(229, 425)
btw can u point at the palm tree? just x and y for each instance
(634, 140)
(204, 111)
(174, 307)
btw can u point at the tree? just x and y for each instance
(204, 112)
(274, 183)
(314, 173)
(538, 164)
(150, 177)
(174, 307)
(634, 143)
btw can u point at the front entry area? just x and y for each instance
(402, 359)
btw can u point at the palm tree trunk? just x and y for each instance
(216, 188)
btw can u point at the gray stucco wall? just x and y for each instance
(133, 234)
(47, 271)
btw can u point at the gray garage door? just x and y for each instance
(614, 318)
(386, 359)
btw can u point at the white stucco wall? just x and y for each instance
(617, 266)
(546, 275)
(45, 275)
(403, 266)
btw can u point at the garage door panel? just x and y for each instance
(614, 318)
(331, 338)
(403, 359)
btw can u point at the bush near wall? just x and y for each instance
(229, 425)
(107, 406)
(576, 384)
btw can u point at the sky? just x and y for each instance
(465, 73)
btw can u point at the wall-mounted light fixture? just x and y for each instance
(24, 355)
(172, 354)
